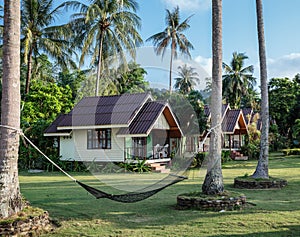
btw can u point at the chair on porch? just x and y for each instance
(156, 150)
(165, 151)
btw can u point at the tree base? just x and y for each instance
(253, 183)
(29, 222)
(223, 201)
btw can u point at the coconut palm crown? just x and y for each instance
(172, 36)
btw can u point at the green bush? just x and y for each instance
(225, 156)
(251, 149)
(293, 151)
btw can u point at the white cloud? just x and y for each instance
(189, 5)
(285, 66)
(205, 63)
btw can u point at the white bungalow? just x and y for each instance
(118, 128)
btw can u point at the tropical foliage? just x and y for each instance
(40, 35)
(187, 79)
(284, 110)
(238, 81)
(174, 37)
(104, 30)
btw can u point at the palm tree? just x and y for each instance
(237, 80)
(262, 168)
(10, 197)
(105, 28)
(187, 79)
(213, 182)
(172, 35)
(39, 35)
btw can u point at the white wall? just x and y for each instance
(76, 148)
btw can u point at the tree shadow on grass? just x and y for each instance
(292, 231)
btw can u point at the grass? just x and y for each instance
(275, 213)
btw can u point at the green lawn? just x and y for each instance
(275, 213)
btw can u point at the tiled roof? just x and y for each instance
(207, 109)
(106, 110)
(100, 110)
(52, 129)
(230, 120)
(145, 119)
(247, 112)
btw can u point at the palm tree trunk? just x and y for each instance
(99, 63)
(171, 67)
(10, 197)
(262, 168)
(213, 183)
(29, 69)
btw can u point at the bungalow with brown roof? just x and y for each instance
(118, 128)
(234, 128)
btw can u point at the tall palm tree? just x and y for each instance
(237, 80)
(187, 79)
(262, 168)
(213, 182)
(10, 197)
(173, 35)
(40, 36)
(106, 28)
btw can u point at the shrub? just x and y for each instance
(251, 149)
(225, 156)
(293, 151)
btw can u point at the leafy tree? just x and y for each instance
(104, 29)
(295, 113)
(131, 80)
(74, 81)
(44, 102)
(283, 96)
(187, 79)
(251, 100)
(213, 182)
(196, 100)
(39, 35)
(262, 168)
(237, 80)
(296, 132)
(10, 196)
(172, 35)
(252, 147)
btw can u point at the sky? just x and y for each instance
(282, 33)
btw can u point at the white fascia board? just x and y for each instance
(57, 134)
(132, 135)
(93, 127)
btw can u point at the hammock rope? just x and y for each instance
(129, 197)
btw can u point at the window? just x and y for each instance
(99, 139)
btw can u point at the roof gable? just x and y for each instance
(147, 118)
(233, 120)
(207, 112)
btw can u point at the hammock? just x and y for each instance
(129, 197)
(133, 196)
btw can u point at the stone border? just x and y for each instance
(224, 203)
(244, 183)
(32, 226)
